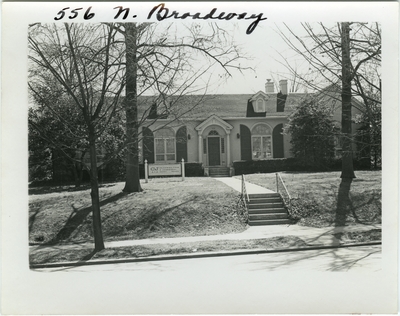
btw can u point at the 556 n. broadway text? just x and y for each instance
(161, 12)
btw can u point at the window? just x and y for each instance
(164, 143)
(261, 141)
(260, 106)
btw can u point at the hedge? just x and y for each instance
(291, 164)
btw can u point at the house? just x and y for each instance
(218, 130)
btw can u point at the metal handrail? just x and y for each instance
(244, 198)
(278, 177)
(244, 195)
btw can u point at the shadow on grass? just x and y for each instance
(148, 220)
(77, 217)
(32, 218)
(88, 256)
(80, 257)
(345, 206)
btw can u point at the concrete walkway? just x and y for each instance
(311, 236)
(251, 188)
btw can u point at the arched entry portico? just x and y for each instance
(214, 142)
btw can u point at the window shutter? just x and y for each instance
(277, 141)
(148, 145)
(181, 144)
(245, 143)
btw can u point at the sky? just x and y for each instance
(264, 50)
(265, 46)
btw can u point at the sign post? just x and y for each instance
(146, 171)
(183, 169)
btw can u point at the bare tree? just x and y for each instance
(169, 63)
(87, 62)
(348, 55)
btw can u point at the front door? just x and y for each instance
(213, 151)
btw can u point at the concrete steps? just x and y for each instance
(267, 209)
(218, 172)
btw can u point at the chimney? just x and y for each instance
(269, 86)
(283, 86)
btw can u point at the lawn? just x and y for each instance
(315, 196)
(167, 207)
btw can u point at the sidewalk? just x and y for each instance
(251, 188)
(311, 236)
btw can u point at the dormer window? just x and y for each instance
(260, 105)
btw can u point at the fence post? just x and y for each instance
(277, 187)
(183, 169)
(146, 176)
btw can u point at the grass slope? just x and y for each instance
(167, 207)
(68, 255)
(315, 196)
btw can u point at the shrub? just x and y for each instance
(290, 164)
(312, 133)
(261, 166)
(194, 169)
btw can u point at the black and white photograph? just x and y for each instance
(200, 158)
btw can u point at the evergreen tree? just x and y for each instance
(312, 134)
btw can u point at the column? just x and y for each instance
(200, 149)
(228, 149)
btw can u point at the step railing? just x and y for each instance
(244, 198)
(283, 191)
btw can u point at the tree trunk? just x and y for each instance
(94, 194)
(76, 177)
(347, 150)
(344, 205)
(132, 183)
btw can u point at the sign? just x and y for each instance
(165, 170)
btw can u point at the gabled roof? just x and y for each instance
(261, 94)
(230, 105)
(332, 96)
(201, 107)
(293, 99)
(222, 105)
(212, 120)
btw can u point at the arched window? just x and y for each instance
(213, 133)
(164, 143)
(261, 142)
(260, 105)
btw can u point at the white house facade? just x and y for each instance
(222, 129)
